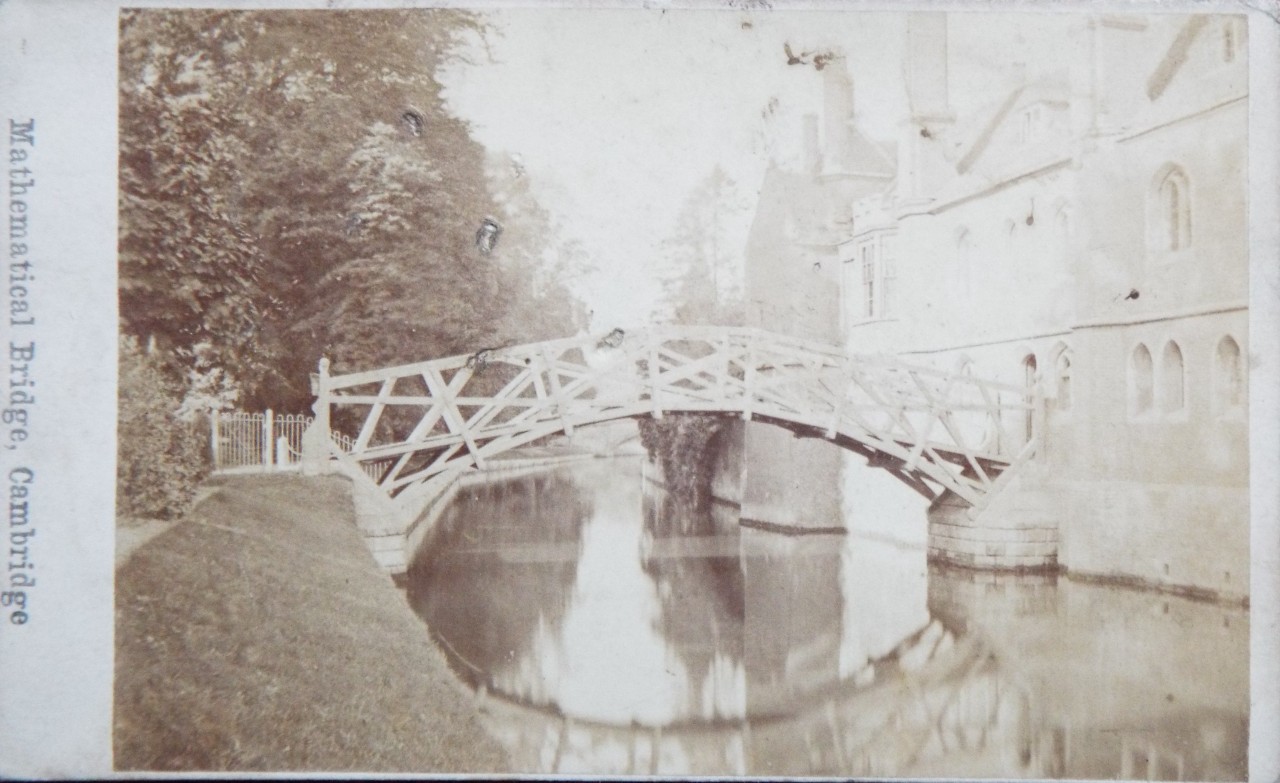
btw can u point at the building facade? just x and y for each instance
(1084, 234)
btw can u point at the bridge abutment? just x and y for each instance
(790, 482)
(1017, 531)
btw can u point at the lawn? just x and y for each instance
(257, 634)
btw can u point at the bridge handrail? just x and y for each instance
(919, 419)
(760, 337)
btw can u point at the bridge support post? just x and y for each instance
(655, 396)
(383, 523)
(1016, 531)
(316, 441)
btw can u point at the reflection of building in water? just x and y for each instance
(792, 624)
(683, 646)
(692, 558)
(1167, 704)
(1085, 232)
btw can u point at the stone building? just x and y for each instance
(1084, 233)
(792, 286)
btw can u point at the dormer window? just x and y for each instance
(1029, 124)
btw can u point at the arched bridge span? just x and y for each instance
(934, 429)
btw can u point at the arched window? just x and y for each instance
(1172, 386)
(964, 258)
(1228, 378)
(1141, 371)
(1062, 370)
(1170, 217)
(1029, 383)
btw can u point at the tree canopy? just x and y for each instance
(702, 282)
(293, 184)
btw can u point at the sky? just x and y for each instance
(616, 115)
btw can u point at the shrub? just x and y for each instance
(160, 458)
(682, 443)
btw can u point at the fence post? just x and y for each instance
(283, 458)
(749, 379)
(268, 441)
(214, 437)
(655, 395)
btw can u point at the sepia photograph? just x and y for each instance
(743, 390)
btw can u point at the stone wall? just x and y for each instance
(1018, 531)
(790, 481)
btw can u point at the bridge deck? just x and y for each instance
(936, 430)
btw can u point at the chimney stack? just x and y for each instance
(927, 92)
(812, 160)
(837, 110)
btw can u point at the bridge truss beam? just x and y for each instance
(936, 430)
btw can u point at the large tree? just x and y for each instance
(293, 184)
(703, 256)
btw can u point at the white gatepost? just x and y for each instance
(214, 437)
(268, 439)
(317, 442)
(283, 458)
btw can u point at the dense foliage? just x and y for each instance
(685, 445)
(162, 457)
(294, 185)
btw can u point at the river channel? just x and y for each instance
(609, 631)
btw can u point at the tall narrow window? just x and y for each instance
(1029, 383)
(1228, 378)
(1229, 41)
(888, 276)
(1172, 385)
(1141, 387)
(1171, 229)
(1064, 381)
(868, 280)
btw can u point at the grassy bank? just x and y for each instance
(257, 634)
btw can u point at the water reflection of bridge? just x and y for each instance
(601, 645)
(935, 697)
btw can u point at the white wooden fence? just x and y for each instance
(263, 442)
(256, 442)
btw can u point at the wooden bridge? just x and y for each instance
(402, 429)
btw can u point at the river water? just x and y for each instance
(607, 630)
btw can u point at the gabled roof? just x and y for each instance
(1041, 92)
(860, 155)
(1175, 56)
(983, 139)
